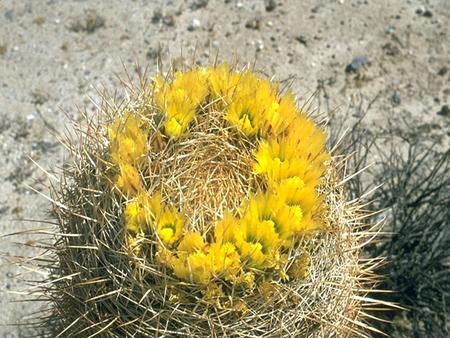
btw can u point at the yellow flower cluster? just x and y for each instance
(128, 147)
(147, 214)
(143, 213)
(289, 156)
(180, 99)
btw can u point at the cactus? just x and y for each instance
(206, 205)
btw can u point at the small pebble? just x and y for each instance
(427, 14)
(215, 44)
(424, 12)
(259, 45)
(9, 14)
(254, 23)
(302, 39)
(270, 5)
(357, 63)
(396, 98)
(169, 20)
(195, 24)
(199, 4)
(390, 30)
(443, 71)
(445, 111)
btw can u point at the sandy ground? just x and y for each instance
(55, 54)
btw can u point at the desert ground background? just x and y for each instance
(390, 58)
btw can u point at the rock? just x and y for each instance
(39, 20)
(39, 97)
(270, 5)
(443, 71)
(88, 23)
(357, 63)
(396, 99)
(30, 118)
(254, 23)
(152, 53)
(169, 20)
(157, 15)
(390, 30)
(445, 111)
(195, 24)
(390, 49)
(259, 45)
(9, 14)
(427, 14)
(424, 12)
(302, 40)
(197, 4)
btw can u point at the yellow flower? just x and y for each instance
(140, 212)
(256, 238)
(224, 260)
(180, 99)
(225, 228)
(191, 242)
(278, 160)
(299, 153)
(195, 82)
(174, 127)
(299, 199)
(280, 115)
(198, 264)
(222, 82)
(159, 90)
(128, 142)
(263, 219)
(243, 113)
(134, 217)
(179, 111)
(129, 180)
(193, 268)
(294, 193)
(310, 143)
(169, 225)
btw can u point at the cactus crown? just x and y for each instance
(219, 182)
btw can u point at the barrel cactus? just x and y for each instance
(206, 204)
